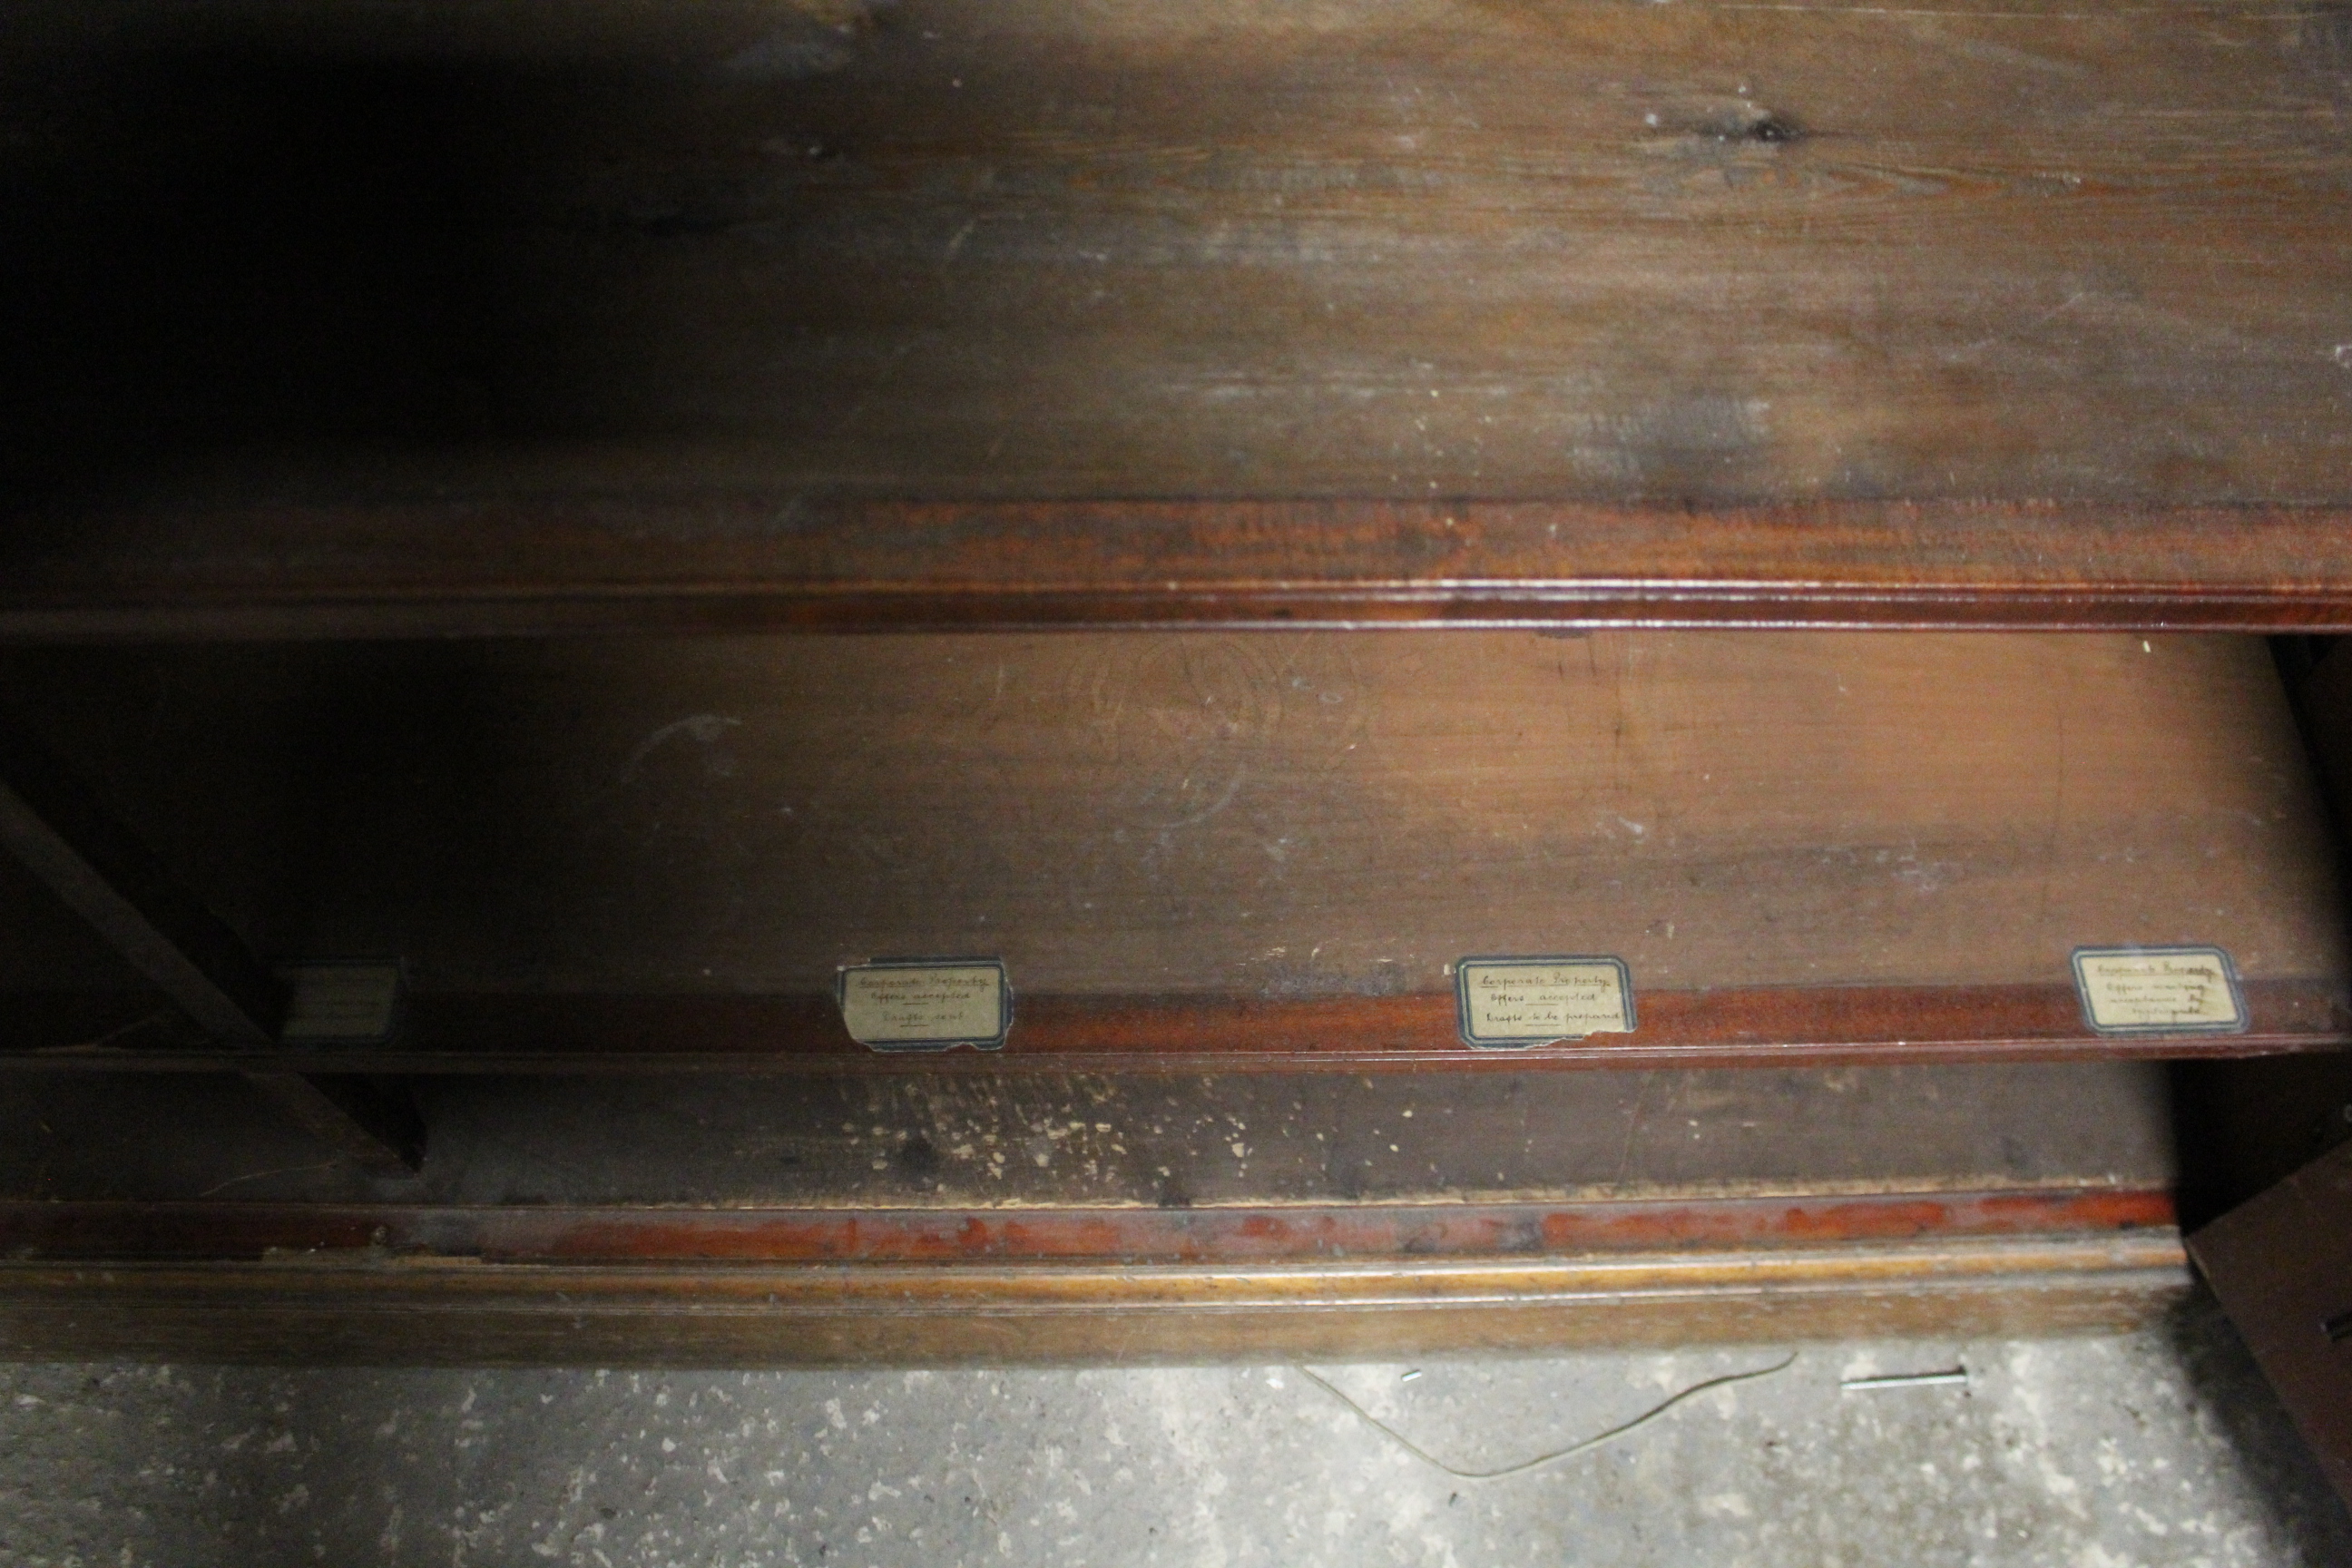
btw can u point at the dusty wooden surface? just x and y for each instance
(439, 317)
(967, 1142)
(1276, 842)
(957, 1217)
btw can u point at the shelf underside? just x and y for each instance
(440, 317)
(1196, 852)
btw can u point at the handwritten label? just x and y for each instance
(2159, 991)
(347, 1004)
(927, 1005)
(1516, 1001)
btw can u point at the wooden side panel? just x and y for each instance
(2323, 699)
(2282, 1265)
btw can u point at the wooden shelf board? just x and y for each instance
(638, 563)
(1792, 1026)
(446, 319)
(1202, 851)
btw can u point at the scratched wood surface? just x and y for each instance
(1306, 817)
(437, 316)
(950, 1143)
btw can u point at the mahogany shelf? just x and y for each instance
(445, 318)
(1197, 853)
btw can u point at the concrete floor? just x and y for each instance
(2155, 1448)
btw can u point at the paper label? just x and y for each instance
(350, 1003)
(1515, 1002)
(2159, 991)
(927, 1005)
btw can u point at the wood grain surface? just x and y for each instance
(369, 1311)
(1274, 843)
(436, 317)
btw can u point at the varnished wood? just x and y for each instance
(455, 318)
(1192, 850)
(374, 1311)
(56, 1232)
(719, 563)
(1793, 1026)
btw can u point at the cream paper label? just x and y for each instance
(926, 1007)
(353, 1003)
(1510, 1002)
(2158, 990)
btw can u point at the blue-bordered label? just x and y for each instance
(1512, 1002)
(2159, 991)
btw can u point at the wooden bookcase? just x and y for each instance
(1268, 502)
